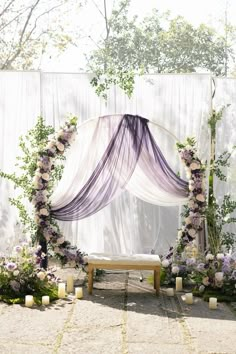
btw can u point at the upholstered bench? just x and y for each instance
(133, 262)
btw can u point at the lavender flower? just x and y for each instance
(11, 266)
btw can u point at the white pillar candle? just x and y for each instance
(179, 284)
(212, 303)
(45, 300)
(170, 292)
(29, 300)
(78, 293)
(70, 284)
(189, 298)
(61, 290)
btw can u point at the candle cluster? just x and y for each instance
(69, 287)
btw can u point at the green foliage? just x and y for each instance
(157, 44)
(219, 214)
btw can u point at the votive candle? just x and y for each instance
(61, 290)
(45, 300)
(170, 292)
(179, 284)
(189, 298)
(29, 300)
(70, 284)
(212, 303)
(78, 293)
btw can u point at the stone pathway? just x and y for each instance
(123, 316)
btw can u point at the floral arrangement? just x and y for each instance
(39, 168)
(47, 226)
(194, 212)
(20, 275)
(209, 274)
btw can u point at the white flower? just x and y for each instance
(60, 133)
(16, 272)
(205, 281)
(191, 188)
(175, 269)
(220, 256)
(60, 240)
(39, 164)
(45, 176)
(188, 220)
(191, 182)
(41, 275)
(188, 175)
(180, 233)
(191, 204)
(219, 276)
(165, 263)
(60, 146)
(192, 232)
(200, 197)
(44, 211)
(37, 219)
(209, 257)
(50, 144)
(194, 166)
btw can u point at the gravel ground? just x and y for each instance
(123, 316)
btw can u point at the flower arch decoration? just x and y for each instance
(47, 227)
(194, 211)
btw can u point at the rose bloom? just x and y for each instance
(45, 176)
(200, 197)
(175, 269)
(188, 220)
(192, 232)
(205, 281)
(44, 211)
(209, 257)
(60, 146)
(165, 263)
(194, 166)
(41, 275)
(60, 240)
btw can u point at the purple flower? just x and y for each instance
(201, 267)
(11, 266)
(186, 155)
(190, 261)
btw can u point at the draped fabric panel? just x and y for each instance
(130, 145)
(180, 103)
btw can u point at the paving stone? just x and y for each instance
(123, 316)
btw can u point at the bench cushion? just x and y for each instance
(139, 259)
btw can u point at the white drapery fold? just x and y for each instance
(151, 178)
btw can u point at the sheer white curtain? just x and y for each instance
(19, 108)
(225, 93)
(180, 103)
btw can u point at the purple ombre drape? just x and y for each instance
(131, 143)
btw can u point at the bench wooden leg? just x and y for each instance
(90, 278)
(157, 281)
